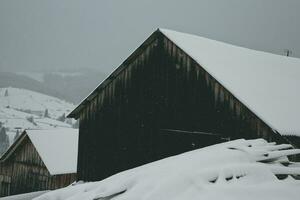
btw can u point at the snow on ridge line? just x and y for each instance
(240, 169)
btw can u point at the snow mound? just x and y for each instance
(240, 169)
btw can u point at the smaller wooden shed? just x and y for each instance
(39, 160)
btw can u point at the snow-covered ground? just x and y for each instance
(27, 196)
(21, 105)
(240, 169)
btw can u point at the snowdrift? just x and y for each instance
(240, 169)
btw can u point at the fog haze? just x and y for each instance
(53, 35)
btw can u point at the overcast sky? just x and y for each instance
(57, 34)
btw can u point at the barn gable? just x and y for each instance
(23, 143)
(160, 102)
(15, 175)
(58, 159)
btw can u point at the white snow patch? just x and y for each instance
(26, 196)
(27, 100)
(267, 83)
(58, 149)
(240, 169)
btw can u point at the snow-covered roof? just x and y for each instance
(58, 149)
(240, 169)
(266, 83)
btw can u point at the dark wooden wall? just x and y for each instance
(158, 88)
(5, 178)
(25, 172)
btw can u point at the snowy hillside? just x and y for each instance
(25, 109)
(240, 169)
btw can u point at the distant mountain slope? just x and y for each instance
(71, 86)
(22, 100)
(74, 85)
(9, 79)
(24, 109)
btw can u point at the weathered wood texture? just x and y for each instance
(159, 87)
(25, 172)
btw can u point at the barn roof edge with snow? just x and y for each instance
(265, 83)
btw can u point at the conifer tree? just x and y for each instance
(62, 118)
(4, 140)
(46, 113)
(6, 93)
(17, 135)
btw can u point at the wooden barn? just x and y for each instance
(39, 160)
(178, 92)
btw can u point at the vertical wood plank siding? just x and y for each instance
(25, 172)
(160, 87)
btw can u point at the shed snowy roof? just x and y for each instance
(58, 149)
(266, 83)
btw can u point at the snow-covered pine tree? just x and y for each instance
(46, 113)
(4, 140)
(62, 118)
(17, 135)
(6, 93)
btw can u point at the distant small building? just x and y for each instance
(39, 160)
